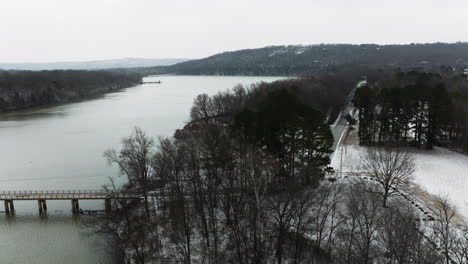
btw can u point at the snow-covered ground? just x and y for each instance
(444, 172)
(439, 172)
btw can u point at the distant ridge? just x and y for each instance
(92, 65)
(300, 59)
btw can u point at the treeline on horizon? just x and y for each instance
(25, 89)
(414, 109)
(303, 60)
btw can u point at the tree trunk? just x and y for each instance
(279, 246)
(147, 205)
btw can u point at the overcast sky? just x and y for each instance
(68, 30)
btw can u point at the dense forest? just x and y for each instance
(326, 93)
(24, 89)
(246, 182)
(300, 60)
(414, 108)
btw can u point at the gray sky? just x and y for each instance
(65, 30)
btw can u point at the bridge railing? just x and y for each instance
(54, 192)
(64, 194)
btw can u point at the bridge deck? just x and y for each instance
(65, 195)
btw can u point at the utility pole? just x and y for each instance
(341, 161)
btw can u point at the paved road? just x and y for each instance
(340, 126)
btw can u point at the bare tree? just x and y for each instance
(391, 167)
(129, 227)
(202, 108)
(460, 251)
(444, 226)
(134, 160)
(324, 210)
(244, 192)
(399, 233)
(281, 210)
(359, 232)
(347, 234)
(168, 164)
(368, 221)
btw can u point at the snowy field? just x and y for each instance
(440, 172)
(444, 172)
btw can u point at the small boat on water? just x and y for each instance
(157, 82)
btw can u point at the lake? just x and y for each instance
(61, 147)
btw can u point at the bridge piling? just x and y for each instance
(12, 206)
(41, 203)
(39, 206)
(44, 206)
(9, 207)
(75, 206)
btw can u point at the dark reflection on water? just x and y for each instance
(19, 116)
(55, 111)
(52, 238)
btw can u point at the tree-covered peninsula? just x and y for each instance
(25, 89)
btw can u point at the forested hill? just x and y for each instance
(297, 60)
(24, 89)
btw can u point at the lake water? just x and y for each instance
(60, 148)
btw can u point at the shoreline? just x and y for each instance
(94, 94)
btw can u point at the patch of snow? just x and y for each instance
(301, 50)
(289, 49)
(439, 171)
(351, 158)
(444, 172)
(279, 51)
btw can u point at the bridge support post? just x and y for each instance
(12, 206)
(41, 204)
(75, 206)
(108, 205)
(7, 206)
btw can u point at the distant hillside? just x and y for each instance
(91, 65)
(296, 60)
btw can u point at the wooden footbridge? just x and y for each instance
(72, 195)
